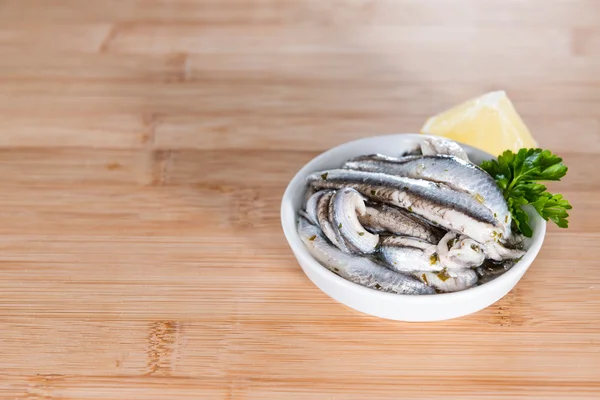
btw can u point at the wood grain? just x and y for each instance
(145, 147)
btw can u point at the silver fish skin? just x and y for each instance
(491, 270)
(405, 254)
(344, 207)
(307, 194)
(454, 172)
(453, 210)
(312, 206)
(323, 222)
(437, 146)
(304, 214)
(450, 280)
(357, 269)
(383, 218)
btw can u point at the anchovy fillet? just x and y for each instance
(383, 218)
(453, 210)
(312, 204)
(344, 208)
(449, 280)
(323, 220)
(404, 254)
(460, 252)
(454, 172)
(357, 269)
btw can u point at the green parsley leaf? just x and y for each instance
(520, 217)
(554, 208)
(518, 174)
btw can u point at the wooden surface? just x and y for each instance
(144, 149)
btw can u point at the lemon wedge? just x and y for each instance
(489, 122)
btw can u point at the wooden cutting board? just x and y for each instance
(144, 150)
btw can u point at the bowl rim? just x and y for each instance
(300, 250)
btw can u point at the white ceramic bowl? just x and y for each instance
(388, 305)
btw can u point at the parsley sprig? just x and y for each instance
(518, 175)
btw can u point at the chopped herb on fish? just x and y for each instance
(443, 275)
(324, 176)
(434, 259)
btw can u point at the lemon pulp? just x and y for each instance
(489, 122)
